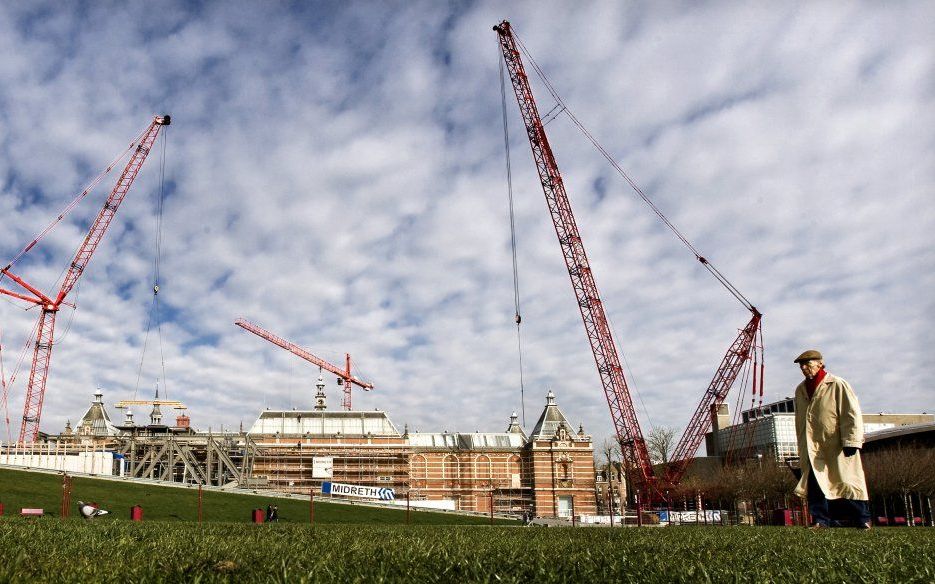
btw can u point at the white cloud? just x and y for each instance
(337, 176)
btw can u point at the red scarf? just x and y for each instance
(812, 384)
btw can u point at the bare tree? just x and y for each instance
(660, 443)
(610, 451)
(900, 473)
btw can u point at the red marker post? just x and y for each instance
(311, 507)
(491, 507)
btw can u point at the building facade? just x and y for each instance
(548, 473)
(768, 431)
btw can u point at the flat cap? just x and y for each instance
(809, 355)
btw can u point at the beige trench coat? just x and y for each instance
(824, 425)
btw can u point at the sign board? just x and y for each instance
(362, 491)
(322, 467)
(709, 516)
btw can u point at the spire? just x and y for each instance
(320, 396)
(550, 420)
(155, 416)
(514, 427)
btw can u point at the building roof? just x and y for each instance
(475, 441)
(323, 422)
(908, 431)
(550, 421)
(96, 417)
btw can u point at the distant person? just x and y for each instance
(273, 513)
(269, 513)
(830, 432)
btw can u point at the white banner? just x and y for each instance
(322, 467)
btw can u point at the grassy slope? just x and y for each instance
(75, 551)
(20, 489)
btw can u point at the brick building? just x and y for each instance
(548, 473)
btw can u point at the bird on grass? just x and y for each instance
(90, 511)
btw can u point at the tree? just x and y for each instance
(660, 443)
(901, 472)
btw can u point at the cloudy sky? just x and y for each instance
(335, 172)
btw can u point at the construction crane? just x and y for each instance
(50, 305)
(344, 376)
(626, 425)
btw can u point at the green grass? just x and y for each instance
(74, 551)
(360, 544)
(19, 489)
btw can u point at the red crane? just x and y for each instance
(623, 414)
(42, 351)
(344, 376)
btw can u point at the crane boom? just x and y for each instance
(102, 222)
(614, 383)
(738, 354)
(344, 375)
(45, 335)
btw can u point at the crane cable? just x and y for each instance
(3, 386)
(550, 116)
(509, 181)
(74, 203)
(600, 148)
(154, 306)
(22, 357)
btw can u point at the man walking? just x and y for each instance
(830, 431)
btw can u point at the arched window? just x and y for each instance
(450, 467)
(418, 467)
(515, 469)
(483, 468)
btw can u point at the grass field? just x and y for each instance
(49, 550)
(19, 489)
(361, 544)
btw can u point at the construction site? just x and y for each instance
(548, 472)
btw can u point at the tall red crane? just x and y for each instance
(344, 376)
(623, 414)
(42, 350)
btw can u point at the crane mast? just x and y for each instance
(343, 375)
(45, 334)
(602, 344)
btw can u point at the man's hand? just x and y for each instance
(850, 450)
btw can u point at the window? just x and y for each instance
(483, 468)
(450, 467)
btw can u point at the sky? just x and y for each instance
(336, 173)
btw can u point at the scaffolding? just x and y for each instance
(212, 459)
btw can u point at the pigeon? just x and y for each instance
(90, 511)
